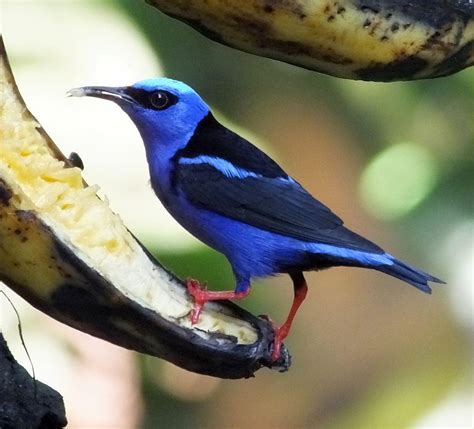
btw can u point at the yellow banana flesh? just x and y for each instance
(69, 255)
(377, 40)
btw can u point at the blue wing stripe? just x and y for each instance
(225, 167)
(364, 258)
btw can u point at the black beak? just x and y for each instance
(115, 94)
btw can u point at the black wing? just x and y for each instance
(275, 204)
(212, 139)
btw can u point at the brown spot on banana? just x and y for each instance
(69, 255)
(5, 193)
(379, 40)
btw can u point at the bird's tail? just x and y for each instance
(409, 274)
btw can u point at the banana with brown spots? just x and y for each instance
(378, 40)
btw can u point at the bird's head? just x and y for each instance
(165, 111)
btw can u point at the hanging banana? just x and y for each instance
(69, 255)
(375, 40)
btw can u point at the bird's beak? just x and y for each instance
(115, 94)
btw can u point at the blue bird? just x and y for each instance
(236, 199)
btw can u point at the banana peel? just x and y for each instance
(70, 256)
(374, 40)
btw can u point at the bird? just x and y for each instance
(236, 199)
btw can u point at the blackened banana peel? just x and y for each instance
(375, 40)
(70, 256)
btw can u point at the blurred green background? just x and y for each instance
(395, 161)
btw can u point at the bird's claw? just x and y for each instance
(279, 334)
(198, 294)
(201, 295)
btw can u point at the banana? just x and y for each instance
(70, 256)
(375, 40)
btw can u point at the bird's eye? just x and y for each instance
(160, 100)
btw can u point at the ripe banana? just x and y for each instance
(377, 40)
(69, 255)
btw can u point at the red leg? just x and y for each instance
(201, 296)
(300, 288)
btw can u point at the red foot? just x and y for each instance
(280, 334)
(300, 288)
(202, 295)
(194, 289)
